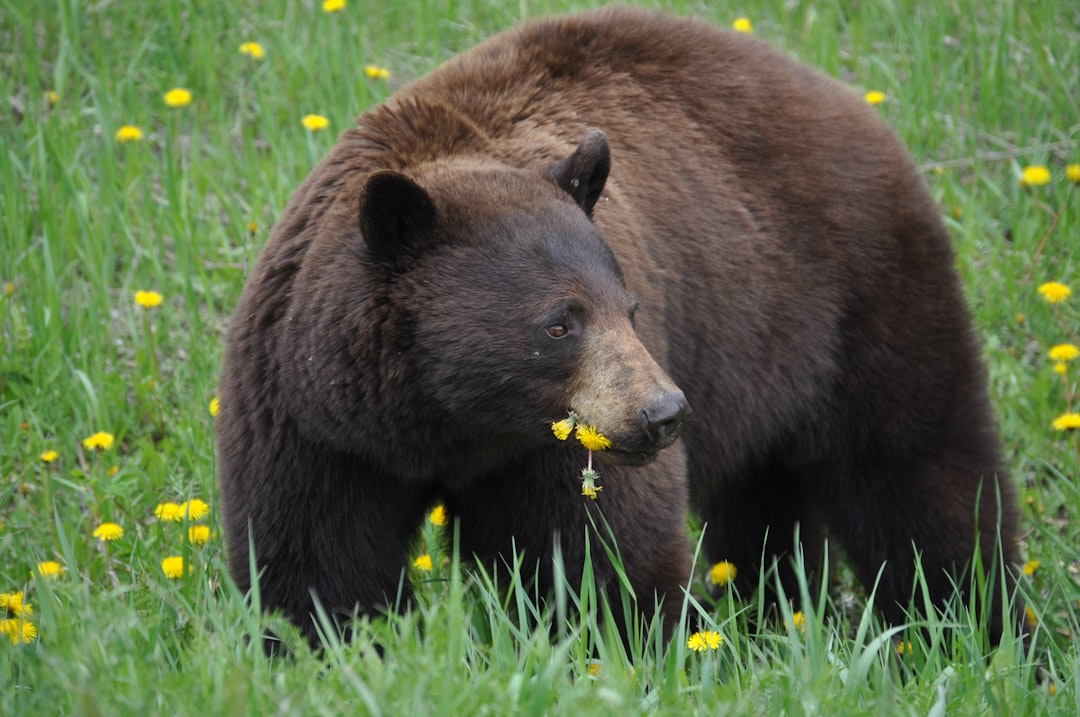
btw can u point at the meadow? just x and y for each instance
(146, 150)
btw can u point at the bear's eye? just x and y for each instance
(557, 331)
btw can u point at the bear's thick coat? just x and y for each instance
(464, 267)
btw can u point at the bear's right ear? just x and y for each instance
(396, 215)
(582, 175)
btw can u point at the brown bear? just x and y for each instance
(621, 215)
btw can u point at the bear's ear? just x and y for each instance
(396, 215)
(583, 173)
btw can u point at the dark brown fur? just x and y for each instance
(795, 282)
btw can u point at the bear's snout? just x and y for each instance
(664, 418)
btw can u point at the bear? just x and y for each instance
(723, 260)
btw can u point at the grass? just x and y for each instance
(978, 91)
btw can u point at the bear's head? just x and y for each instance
(516, 309)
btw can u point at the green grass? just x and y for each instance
(978, 91)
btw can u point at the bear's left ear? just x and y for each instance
(396, 215)
(583, 173)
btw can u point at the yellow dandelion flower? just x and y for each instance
(9, 288)
(594, 667)
(100, 441)
(169, 512)
(1061, 368)
(198, 534)
(562, 428)
(1063, 353)
(1052, 689)
(253, 50)
(589, 489)
(49, 456)
(798, 621)
(1032, 618)
(423, 563)
(1034, 176)
(48, 569)
(1072, 172)
(1020, 317)
(173, 567)
(178, 97)
(1031, 566)
(438, 516)
(743, 24)
(722, 573)
(195, 509)
(108, 532)
(314, 123)
(874, 97)
(1054, 292)
(707, 640)
(253, 227)
(129, 133)
(904, 648)
(53, 96)
(375, 72)
(18, 631)
(592, 439)
(1067, 422)
(333, 5)
(148, 299)
(215, 406)
(13, 603)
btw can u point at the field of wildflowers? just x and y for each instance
(147, 149)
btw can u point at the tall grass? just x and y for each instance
(978, 90)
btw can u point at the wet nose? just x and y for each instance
(664, 418)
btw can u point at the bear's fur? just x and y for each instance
(463, 269)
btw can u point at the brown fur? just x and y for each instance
(795, 283)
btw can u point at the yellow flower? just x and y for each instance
(743, 24)
(375, 72)
(198, 534)
(253, 50)
(53, 96)
(875, 97)
(707, 640)
(253, 227)
(18, 631)
(904, 648)
(148, 299)
(108, 532)
(1034, 176)
(195, 509)
(1061, 368)
(798, 620)
(589, 489)
(13, 603)
(1031, 566)
(1032, 618)
(49, 569)
(1072, 172)
(1054, 292)
(722, 573)
(9, 288)
(314, 123)
(1063, 353)
(333, 5)
(178, 97)
(129, 133)
(100, 441)
(438, 516)
(423, 563)
(1067, 422)
(215, 406)
(49, 456)
(562, 428)
(592, 439)
(173, 567)
(169, 512)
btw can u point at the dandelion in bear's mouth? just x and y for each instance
(592, 440)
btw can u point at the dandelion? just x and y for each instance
(1072, 173)
(198, 534)
(314, 123)
(18, 631)
(48, 569)
(9, 288)
(743, 24)
(215, 406)
(722, 573)
(253, 227)
(1032, 618)
(129, 133)
(375, 72)
(438, 516)
(108, 532)
(1063, 353)
(591, 438)
(1067, 422)
(173, 567)
(253, 50)
(178, 97)
(13, 603)
(904, 648)
(53, 96)
(195, 509)
(333, 5)
(423, 563)
(49, 456)
(562, 428)
(169, 512)
(113, 470)
(100, 441)
(1061, 369)
(1031, 566)
(798, 621)
(874, 97)
(1054, 292)
(1034, 176)
(148, 299)
(707, 640)
(589, 489)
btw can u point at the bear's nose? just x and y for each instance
(663, 419)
